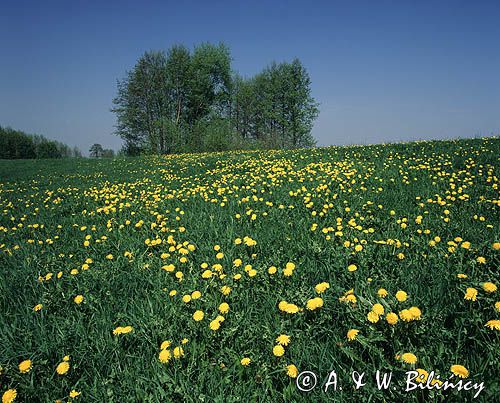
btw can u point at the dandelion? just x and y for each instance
(166, 344)
(321, 287)
(25, 366)
(470, 294)
(423, 375)
(489, 287)
(378, 309)
(459, 370)
(283, 339)
(74, 393)
(352, 334)
(409, 358)
(401, 296)
(292, 371)
(164, 356)
(372, 317)
(198, 315)
(391, 318)
(493, 324)
(278, 350)
(9, 396)
(178, 352)
(123, 330)
(382, 293)
(314, 303)
(352, 267)
(214, 325)
(37, 307)
(62, 368)
(245, 361)
(78, 299)
(415, 312)
(224, 308)
(272, 270)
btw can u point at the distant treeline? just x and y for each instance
(15, 144)
(183, 101)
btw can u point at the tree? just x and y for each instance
(16, 144)
(108, 153)
(191, 101)
(96, 150)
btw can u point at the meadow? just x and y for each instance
(222, 276)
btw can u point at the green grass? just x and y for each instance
(48, 207)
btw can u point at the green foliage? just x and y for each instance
(15, 144)
(312, 207)
(169, 103)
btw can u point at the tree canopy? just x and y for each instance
(15, 144)
(182, 100)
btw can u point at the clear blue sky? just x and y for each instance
(382, 71)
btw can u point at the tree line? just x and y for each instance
(15, 144)
(189, 101)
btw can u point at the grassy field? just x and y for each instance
(178, 278)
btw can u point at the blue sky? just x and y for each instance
(382, 71)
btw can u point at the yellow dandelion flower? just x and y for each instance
(391, 318)
(493, 324)
(283, 339)
(198, 315)
(352, 334)
(489, 287)
(164, 356)
(74, 393)
(409, 358)
(278, 350)
(37, 307)
(378, 309)
(401, 296)
(25, 366)
(224, 308)
(314, 303)
(245, 361)
(165, 344)
(63, 368)
(292, 371)
(214, 325)
(470, 294)
(9, 396)
(422, 375)
(78, 299)
(321, 287)
(178, 352)
(459, 370)
(382, 293)
(352, 267)
(372, 317)
(415, 312)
